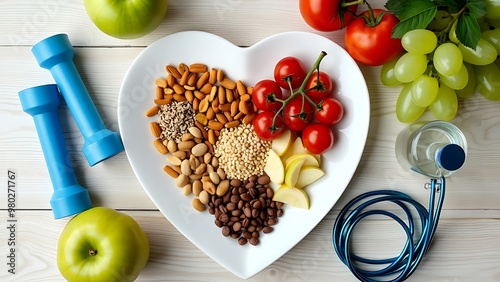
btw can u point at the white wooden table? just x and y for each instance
(467, 243)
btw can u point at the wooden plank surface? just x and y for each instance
(466, 246)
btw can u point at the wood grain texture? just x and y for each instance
(467, 243)
(474, 245)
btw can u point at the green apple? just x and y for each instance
(292, 196)
(274, 168)
(102, 244)
(126, 19)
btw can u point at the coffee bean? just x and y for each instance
(257, 205)
(231, 206)
(264, 179)
(226, 231)
(246, 197)
(237, 226)
(254, 241)
(267, 229)
(224, 218)
(246, 209)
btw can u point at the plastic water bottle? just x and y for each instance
(434, 149)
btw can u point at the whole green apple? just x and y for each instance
(126, 19)
(102, 244)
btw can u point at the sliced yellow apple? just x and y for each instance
(309, 160)
(292, 196)
(281, 144)
(293, 171)
(308, 175)
(298, 148)
(274, 167)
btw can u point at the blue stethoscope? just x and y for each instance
(418, 240)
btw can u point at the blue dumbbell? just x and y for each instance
(69, 197)
(56, 54)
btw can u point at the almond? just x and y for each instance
(160, 147)
(153, 111)
(170, 171)
(155, 129)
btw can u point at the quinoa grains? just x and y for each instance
(240, 152)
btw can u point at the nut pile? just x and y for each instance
(204, 129)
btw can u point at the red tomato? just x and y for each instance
(297, 114)
(289, 68)
(317, 138)
(327, 15)
(263, 126)
(323, 85)
(331, 111)
(264, 95)
(370, 43)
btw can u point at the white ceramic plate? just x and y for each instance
(249, 65)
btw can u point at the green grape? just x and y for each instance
(488, 81)
(447, 59)
(409, 67)
(419, 41)
(406, 110)
(424, 90)
(445, 106)
(470, 88)
(497, 61)
(492, 37)
(440, 21)
(387, 74)
(492, 9)
(484, 54)
(457, 81)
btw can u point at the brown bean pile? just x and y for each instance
(246, 209)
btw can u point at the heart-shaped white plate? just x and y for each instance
(249, 65)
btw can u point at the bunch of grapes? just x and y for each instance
(437, 69)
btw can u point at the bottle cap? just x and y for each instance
(451, 157)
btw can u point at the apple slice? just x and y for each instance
(281, 144)
(298, 148)
(293, 171)
(274, 168)
(292, 196)
(308, 174)
(309, 160)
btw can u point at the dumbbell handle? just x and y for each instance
(41, 103)
(56, 54)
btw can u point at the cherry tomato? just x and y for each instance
(325, 84)
(289, 68)
(369, 41)
(317, 138)
(297, 114)
(264, 94)
(327, 15)
(331, 111)
(263, 126)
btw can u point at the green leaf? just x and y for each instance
(412, 14)
(453, 6)
(419, 21)
(477, 8)
(468, 31)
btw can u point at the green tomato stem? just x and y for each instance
(301, 91)
(347, 4)
(92, 252)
